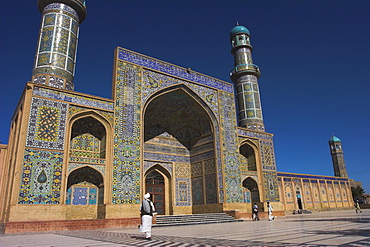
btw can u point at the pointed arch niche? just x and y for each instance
(157, 183)
(89, 153)
(248, 157)
(251, 187)
(179, 129)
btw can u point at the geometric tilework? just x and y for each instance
(41, 177)
(75, 109)
(47, 124)
(126, 166)
(149, 164)
(153, 81)
(171, 69)
(74, 99)
(271, 186)
(233, 183)
(197, 190)
(183, 192)
(267, 155)
(182, 174)
(250, 133)
(75, 166)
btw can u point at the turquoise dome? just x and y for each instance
(334, 139)
(237, 30)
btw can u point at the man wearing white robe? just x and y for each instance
(146, 209)
(269, 208)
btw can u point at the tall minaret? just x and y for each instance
(56, 49)
(245, 76)
(337, 157)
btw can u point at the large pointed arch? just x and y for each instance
(179, 127)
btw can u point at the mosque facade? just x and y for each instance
(196, 143)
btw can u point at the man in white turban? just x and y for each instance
(146, 209)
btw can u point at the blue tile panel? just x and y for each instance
(41, 177)
(232, 175)
(173, 70)
(127, 123)
(267, 155)
(271, 187)
(254, 134)
(47, 124)
(73, 98)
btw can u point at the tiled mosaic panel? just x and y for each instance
(271, 186)
(182, 170)
(85, 148)
(149, 164)
(82, 194)
(41, 177)
(250, 133)
(153, 81)
(74, 166)
(183, 197)
(126, 167)
(233, 183)
(197, 190)
(289, 196)
(267, 155)
(72, 98)
(211, 188)
(73, 110)
(174, 70)
(47, 123)
(247, 196)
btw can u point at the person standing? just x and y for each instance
(269, 208)
(255, 212)
(357, 207)
(146, 212)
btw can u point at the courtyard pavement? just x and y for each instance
(339, 228)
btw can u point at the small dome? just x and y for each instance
(334, 139)
(237, 30)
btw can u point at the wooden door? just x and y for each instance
(154, 183)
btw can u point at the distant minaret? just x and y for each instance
(337, 157)
(245, 76)
(56, 49)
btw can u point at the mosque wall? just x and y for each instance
(313, 192)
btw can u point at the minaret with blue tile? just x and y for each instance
(337, 156)
(57, 45)
(245, 76)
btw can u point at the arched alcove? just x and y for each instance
(251, 185)
(249, 157)
(83, 184)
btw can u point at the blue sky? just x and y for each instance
(314, 57)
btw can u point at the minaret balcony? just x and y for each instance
(245, 69)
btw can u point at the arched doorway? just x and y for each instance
(251, 185)
(85, 186)
(249, 157)
(155, 185)
(179, 132)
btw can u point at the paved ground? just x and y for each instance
(342, 228)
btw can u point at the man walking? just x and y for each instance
(255, 212)
(146, 211)
(269, 208)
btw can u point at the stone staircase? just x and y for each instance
(193, 219)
